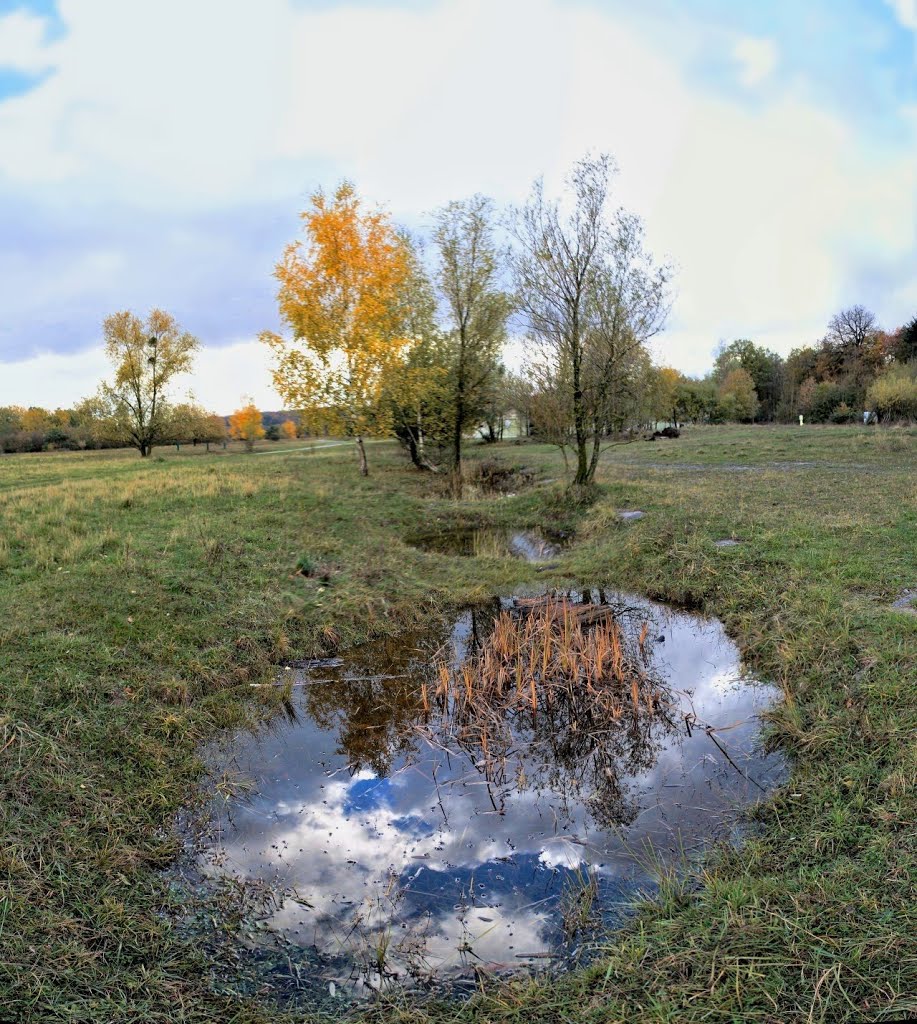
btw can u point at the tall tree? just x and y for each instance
(591, 297)
(851, 328)
(416, 393)
(475, 306)
(668, 384)
(905, 348)
(340, 296)
(765, 367)
(146, 356)
(737, 397)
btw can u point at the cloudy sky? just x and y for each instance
(156, 153)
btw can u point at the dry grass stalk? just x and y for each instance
(547, 657)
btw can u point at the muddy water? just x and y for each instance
(401, 854)
(491, 542)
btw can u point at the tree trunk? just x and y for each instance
(364, 468)
(144, 451)
(594, 461)
(579, 424)
(459, 418)
(410, 440)
(457, 430)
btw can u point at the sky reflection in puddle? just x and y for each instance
(491, 542)
(413, 858)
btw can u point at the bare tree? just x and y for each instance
(591, 297)
(852, 328)
(476, 308)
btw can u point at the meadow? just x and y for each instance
(139, 599)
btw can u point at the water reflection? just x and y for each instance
(491, 542)
(416, 853)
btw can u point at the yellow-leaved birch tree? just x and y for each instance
(340, 291)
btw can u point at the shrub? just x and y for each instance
(894, 395)
(843, 414)
(819, 400)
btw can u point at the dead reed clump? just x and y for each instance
(555, 658)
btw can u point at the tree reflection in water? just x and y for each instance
(545, 694)
(439, 793)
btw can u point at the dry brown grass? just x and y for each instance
(546, 657)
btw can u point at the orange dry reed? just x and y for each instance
(550, 655)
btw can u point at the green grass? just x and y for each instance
(138, 599)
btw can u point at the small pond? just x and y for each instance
(491, 542)
(426, 812)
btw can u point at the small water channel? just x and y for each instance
(492, 542)
(415, 820)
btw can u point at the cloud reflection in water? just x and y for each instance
(404, 839)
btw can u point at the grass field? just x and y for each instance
(138, 599)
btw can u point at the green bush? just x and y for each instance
(825, 397)
(894, 395)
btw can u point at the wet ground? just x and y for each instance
(403, 844)
(491, 542)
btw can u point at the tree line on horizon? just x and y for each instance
(80, 428)
(389, 334)
(856, 367)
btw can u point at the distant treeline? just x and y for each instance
(274, 419)
(35, 429)
(857, 367)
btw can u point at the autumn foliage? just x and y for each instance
(340, 295)
(245, 425)
(146, 355)
(288, 429)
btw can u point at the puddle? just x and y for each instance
(728, 542)
(491, 542)
(414, 837)
(906, 602)
(629, 515)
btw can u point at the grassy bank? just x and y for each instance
(139, 599)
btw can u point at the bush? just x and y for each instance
(894, 395)
(820, 400)
(844, 414)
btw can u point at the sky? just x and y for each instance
(157, 153)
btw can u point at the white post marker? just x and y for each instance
(800, 419)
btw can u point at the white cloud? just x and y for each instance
(905, 11)
(475, 96)
(757, 59)
(51, 379)
(221, 378)
(22, 46)
(767, 215)
(164, 101)
(767, 211)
